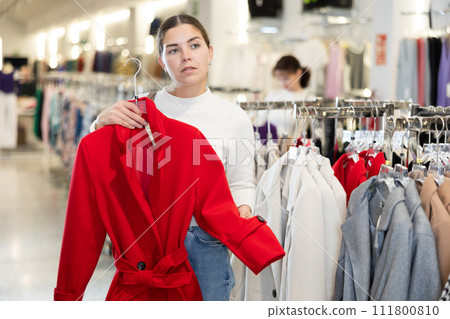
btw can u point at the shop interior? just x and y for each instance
(64, 62)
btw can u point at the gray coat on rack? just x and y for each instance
(388, 250)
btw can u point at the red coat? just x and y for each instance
(106, 196)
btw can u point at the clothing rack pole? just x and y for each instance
(327, 109)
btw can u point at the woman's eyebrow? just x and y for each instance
(175, 44)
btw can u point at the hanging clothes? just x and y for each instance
(434, 48)
(263, 131)
(260, 159)
(407, 77)
(272, 154)
(8, 109)
(443, 88)
(38, 114)
(350, 173)
(445, 296)
(358, 69)
(439, 219)
(334, 76)
(421, 71)
(373, 162)
(387, 243)
(444, 194)
(304, 205)
(148, 236)
(8, 120)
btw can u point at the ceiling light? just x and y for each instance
(115, 16)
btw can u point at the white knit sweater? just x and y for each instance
(227, 128)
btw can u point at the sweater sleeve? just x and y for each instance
(84, 233)
(240, 167)
(251, 240)
(92, 127)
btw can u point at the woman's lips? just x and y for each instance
(188, 68)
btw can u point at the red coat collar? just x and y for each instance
(130, 141)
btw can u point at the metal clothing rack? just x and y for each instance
(332, 108)
(429, 110)
(422, 123)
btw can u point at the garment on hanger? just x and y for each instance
(421, 71)
(407, 73)
(7, 82)
(373, 163)
(443, 88)
(334, 76)
(260, 159)
(148, 236)
(427, 75)
(38, 114)
(350, 173)
(387, 243)
(445, 296)
(434, 48)
(8, 120)
(444, 193)
(273, 154)
(355, 59)
(439, 219)
(304, 205)
(263, 131)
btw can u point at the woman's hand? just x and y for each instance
(122, 113)
(245, 211)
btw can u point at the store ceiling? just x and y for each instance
(24, 11)
(35, 14)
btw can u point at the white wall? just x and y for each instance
(14, 38)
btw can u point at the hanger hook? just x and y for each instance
(439, 133)
(446, 127)
(352, 108)
(403, 138)
(316, 114)
(135, 74)
(415, 117)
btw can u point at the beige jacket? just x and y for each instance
(440, 221)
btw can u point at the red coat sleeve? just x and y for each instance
(84, 233)
(251, 240)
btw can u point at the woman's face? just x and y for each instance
(288, 80)
(185, 56)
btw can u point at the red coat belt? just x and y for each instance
(160, 275)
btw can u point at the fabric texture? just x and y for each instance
(424, 285)
(105, 197)
(445, 296)
(373, 163)
(444, 194)
(387, 243)
(207, 255)
(439, 219)
(434, 48)
(8, 120)
(350, 173)
(302, 280)
(444, 76)
(407, 76)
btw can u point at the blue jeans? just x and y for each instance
(211, 263)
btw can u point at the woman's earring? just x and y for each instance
(210, 62)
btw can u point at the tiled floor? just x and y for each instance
(33, 197)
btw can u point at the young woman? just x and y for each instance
(185, 53)
(293, 79)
